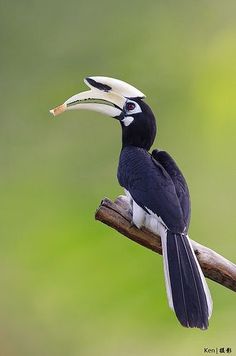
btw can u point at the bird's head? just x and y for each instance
(121, 101)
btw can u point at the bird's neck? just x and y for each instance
(139, 135)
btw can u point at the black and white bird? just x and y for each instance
(157, 191)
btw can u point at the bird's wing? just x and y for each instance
(150, 186)
(168, 163)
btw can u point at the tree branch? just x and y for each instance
(117, 215)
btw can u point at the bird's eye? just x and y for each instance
(130, 106)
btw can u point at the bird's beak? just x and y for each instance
(107, 103)
(107, 96)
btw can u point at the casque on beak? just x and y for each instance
(107, 96)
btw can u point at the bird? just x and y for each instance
(156, 190)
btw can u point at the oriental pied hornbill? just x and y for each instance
(157, 190)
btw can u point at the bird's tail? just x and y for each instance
(187, 290)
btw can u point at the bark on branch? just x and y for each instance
(117, 215)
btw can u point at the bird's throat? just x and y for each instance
(139, 134)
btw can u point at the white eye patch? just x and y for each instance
(131, 107)
(128, 120)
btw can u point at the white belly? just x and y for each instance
(141, 218)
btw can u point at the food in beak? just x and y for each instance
(58, 110)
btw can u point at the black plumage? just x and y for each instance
(189, 299)
(156, 184)
(157, 190)
(150, 186)
(181, 188)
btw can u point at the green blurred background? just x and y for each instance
(70, 285)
